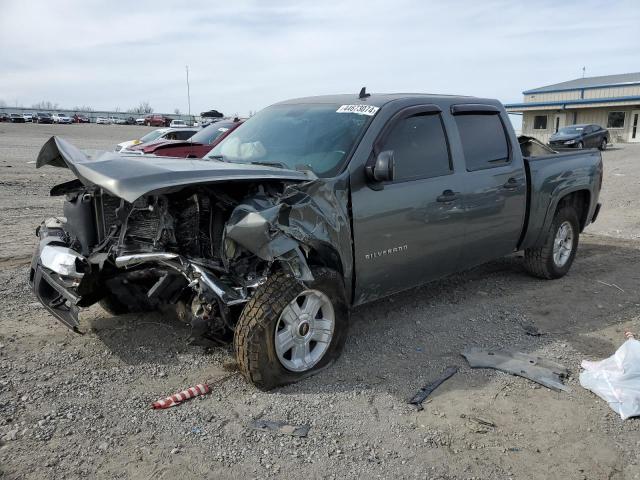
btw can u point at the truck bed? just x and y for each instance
(553, 175)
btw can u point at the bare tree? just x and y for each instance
(45, 105)
(144, 107)
(176, 111)
(83, 108)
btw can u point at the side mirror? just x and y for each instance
(383, 169)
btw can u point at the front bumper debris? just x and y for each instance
(52, 289)
(64, 281)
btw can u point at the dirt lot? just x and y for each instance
(78, 406)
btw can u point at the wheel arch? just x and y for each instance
(327, 256)
(580, 200)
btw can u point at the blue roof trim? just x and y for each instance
(577, 89)
(578, 101)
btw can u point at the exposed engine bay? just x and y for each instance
(200, 249)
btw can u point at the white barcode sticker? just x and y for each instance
(358, 109)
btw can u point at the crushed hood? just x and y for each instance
(130, 177)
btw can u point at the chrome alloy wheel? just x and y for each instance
(304, 331)
(563, 244)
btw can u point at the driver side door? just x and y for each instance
(409, 230)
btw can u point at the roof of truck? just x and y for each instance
(379, 99)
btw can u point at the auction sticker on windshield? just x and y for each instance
(359, 109)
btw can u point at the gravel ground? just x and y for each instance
(78, 406)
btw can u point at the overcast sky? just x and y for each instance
(246, 55)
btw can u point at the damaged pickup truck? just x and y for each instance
(311, 207)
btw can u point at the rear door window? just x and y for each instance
(419, 147)
(484, 141)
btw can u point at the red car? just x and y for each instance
(156, 121)
(79, 118)
(197, 146)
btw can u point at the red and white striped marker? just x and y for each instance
(629, 335)
(178, 398)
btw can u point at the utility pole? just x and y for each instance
(188, 92)
(584, 69)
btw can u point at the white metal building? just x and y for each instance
(612, 101)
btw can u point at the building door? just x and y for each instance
(634, 133)
(559, 121)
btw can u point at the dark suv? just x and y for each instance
(580, 136)
(42, 117)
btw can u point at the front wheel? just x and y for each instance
(289, 331)
(554, 258)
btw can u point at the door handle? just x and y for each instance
(447, 196)
(511, 184)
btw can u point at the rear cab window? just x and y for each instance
(484, 140)
(420, 147)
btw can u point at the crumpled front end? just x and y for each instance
(199, 248)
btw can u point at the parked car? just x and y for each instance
(171, 135)
(80, 118)
(61, 118)
(28, 117)
(196, 146)
(5, 117)
(581, 136)
(16, 118)
(178, 124)
(311, 207)
(43, 117)
(156, 120)
(140, 121)
(103, 121)
(160, 134)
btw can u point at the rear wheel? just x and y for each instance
(603, 144)
(289, 331)
(555, 257)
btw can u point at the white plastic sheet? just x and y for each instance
(616, 379)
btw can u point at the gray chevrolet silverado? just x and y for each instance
(311, 207)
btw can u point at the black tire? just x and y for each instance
(122, 298)
(603, 145)
(254, 341)
(579, 145)
(539, 261)
(112, 304)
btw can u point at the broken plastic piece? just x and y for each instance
(178, 398)
(536, 369)
(281, 427)
(425, 391)
(616, 379)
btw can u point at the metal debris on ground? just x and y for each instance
(479, 421)
(178, 398)
(280, 427)
(612, 285)
(425, 391)
(531, 330)
(536, 369)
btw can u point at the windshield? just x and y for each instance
(302, 136)
(151, 136)
(571, 130)
(210, 134)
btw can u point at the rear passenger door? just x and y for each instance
(494, 195)
(408, 231)
(589, 136)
